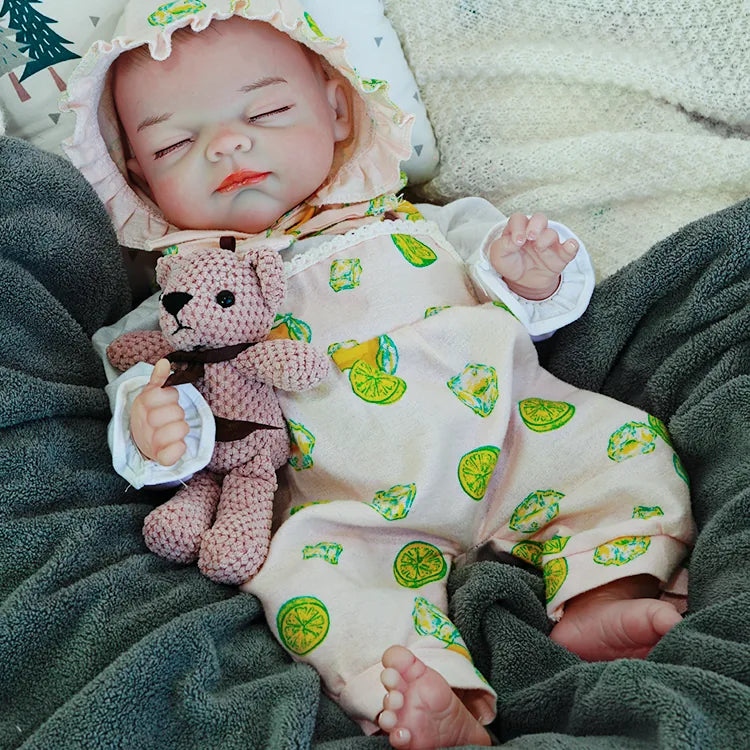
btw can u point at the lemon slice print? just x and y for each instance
(380, 353)
(647, 511)
(630, 440)
(541, 415)
(660, 429)
(417, 564)
(530, 552)
(395, 503)
(555, 545)
(302, 443)
(503, 306)
(288, 327)
(411, 211)
(414, 251)
(555, 572)
(475, 470)
(303, 624)
(535, 511)
(169, 12)
(298, 508)
(476, 387)
(314, 26)
(429, 620)
(328, 551)
(622, 550)
(430, 311)
(375, 386)
(680, 469)
(345, 274)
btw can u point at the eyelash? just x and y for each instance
(164, 151)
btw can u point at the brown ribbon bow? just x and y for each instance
(227, 430)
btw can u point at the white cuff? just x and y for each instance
(540, 317)
(128, 461)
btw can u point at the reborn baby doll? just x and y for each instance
(437, 432)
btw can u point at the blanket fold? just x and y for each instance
(105, 645)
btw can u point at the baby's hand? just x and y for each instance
(529, 256)
(157, 421)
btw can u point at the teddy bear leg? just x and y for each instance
(175, 529)
(236, 546)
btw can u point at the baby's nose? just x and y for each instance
(226, 144)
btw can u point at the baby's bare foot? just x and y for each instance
(421, 710)
(602, 629)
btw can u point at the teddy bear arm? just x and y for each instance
(138, 346)
(285, 364)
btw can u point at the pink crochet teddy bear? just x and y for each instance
(216, 310)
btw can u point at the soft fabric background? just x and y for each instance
(33, 77)
(105, 645)
(623, 120)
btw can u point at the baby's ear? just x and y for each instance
(337, 92)
(270, 270)
(134, 167)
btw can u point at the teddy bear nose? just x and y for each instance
(175, 301)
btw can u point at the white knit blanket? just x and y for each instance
(624, 119)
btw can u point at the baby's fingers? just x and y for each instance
(515, 230)
(169, 443)
(554, 254)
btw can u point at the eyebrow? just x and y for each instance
(260, 83)
(153, 120)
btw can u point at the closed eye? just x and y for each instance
(168, 150)
(269, 114)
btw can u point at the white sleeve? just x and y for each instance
(127, 460)
(472, 224)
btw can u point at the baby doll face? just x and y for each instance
(234, 128)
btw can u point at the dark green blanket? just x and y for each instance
(104, 645)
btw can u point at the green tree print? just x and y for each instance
(37, 40)
(10, 52)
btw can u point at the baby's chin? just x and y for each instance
(246, 222)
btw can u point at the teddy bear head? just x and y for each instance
(214, 298)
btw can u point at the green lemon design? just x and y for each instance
(395, 503)
(555, 572)
(345, 274)
(680, 469)
(630, 440)
(414, 251)
(419, 563)
(328, 551)
(387, 357)
(530, 552)
(288, 327)
(303, 624)
(647, 511)
(411, 211)
(430, 311)
(535, 511)
(476, 387)
(555, 545)
(622, 550)
(298, 508)
(169, 12)
(171, 250)
(430, 621)
(660, 429)
(503, 306)
(542, 415)
(302, 444)
(314, 26)
(475, 470)
(375, 386)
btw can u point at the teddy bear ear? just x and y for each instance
(270, 269)
(164, 266)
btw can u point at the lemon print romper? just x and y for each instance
(436, 433)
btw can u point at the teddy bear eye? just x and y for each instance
(225, 298)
